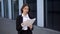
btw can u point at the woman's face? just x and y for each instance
(25, 9)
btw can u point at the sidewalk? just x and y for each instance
(8, 26)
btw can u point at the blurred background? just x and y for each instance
(46, 12)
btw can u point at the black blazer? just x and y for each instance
(19, 20)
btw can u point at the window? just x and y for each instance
(5, 2)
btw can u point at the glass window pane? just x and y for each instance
(15, 9)
(5, 2)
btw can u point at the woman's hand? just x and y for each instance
(30, 26)
(22, 24)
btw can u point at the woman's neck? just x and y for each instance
(24, 14)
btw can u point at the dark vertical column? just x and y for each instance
(56, 18)
(45, 4)
(16, 8)
(12, 8)
(0, 8)
(53, 14)
(48, 13)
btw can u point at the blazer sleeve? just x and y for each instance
(18, 23)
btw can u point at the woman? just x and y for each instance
(24, 17)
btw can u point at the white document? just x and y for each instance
(29, 22)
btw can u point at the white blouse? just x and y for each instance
(25, 18)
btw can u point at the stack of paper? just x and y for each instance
(29, 22)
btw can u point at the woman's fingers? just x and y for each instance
(22, 24)
(30, 26)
